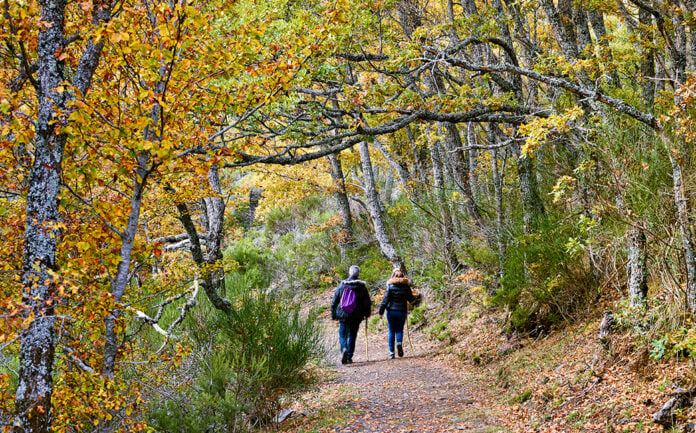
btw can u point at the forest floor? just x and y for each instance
(473, 377)
(420, 392)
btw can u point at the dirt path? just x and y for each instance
(417, 393)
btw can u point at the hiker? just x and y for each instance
(395, 302)
(351, 304)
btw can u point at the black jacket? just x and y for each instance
(362, 297)
(397, 296)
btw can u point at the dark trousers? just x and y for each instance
(396, 321)
(347, 333)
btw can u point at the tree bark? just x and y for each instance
(215, 216)
(498, 177)
(647, 61)
(255, 195)
(680, 200)
(37, 342)
(341, 195)
(533, 209)
(120, 281)
(447, 224)
(374, 208)
(208, 283)
(637, 271)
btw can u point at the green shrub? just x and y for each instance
(278, 220)
(254, 264)
(546, 276)
(242, 365)
(418, 314)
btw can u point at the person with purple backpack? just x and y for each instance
(351, 304)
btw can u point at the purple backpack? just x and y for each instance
(348, 300)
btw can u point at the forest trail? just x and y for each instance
(417, 393)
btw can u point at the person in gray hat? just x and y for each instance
(351, 304)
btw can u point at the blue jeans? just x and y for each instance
(347, 333)
(396, 321)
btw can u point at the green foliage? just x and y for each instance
(254, 265)
(243, 363)
(480, 256)
(278, 220)
(418, 314)
(521, 397)
(374, 268)
(375, 323)
(664, 327)
(439, 331)
(679, 343)
(545, 280)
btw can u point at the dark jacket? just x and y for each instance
(397, 296)
(362, 297)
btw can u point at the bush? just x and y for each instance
(243, 363)
(254, 265)
(546, 277)
(418, 314)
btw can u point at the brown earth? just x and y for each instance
(420, 392)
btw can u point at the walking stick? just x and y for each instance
(367, 352)
(408, 335)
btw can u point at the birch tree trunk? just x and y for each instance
(374, 208)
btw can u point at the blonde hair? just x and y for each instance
(396, 273)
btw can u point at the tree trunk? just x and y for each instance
(418, 163)
(533, 210)
(447, 224)
(647, 62)
(455, 148)
(374, 208)
(680, 200)
(600, 30)
(345, 238)
(255, 195)
(637, 271)
(37, 341)
(499, 216)
(208, 283)
(120, 281)
(215, 216)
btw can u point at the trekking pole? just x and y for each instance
(408, 335)
(367, 352)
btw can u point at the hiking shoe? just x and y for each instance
(344, 357)
(391, 355)
(349, 361)
(400, 349)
